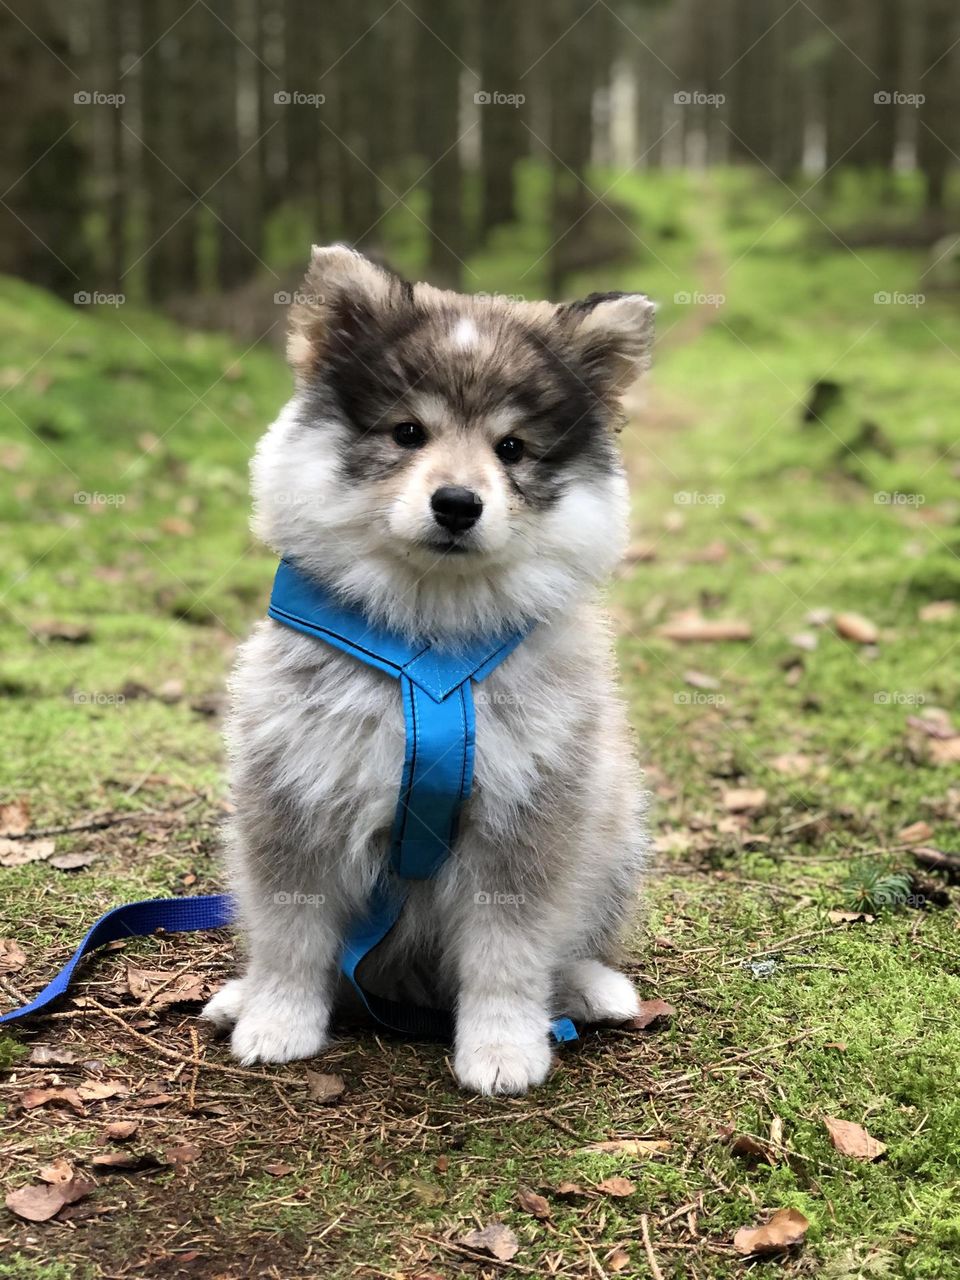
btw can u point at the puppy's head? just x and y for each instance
(448, 462)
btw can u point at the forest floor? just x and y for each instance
(813, 754)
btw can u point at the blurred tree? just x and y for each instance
(503, 137)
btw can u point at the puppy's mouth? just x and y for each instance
(449, 547)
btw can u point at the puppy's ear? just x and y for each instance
(341, 292)
(612, 338)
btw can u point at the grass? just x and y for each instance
(746, 512)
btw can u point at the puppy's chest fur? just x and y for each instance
(316, 740)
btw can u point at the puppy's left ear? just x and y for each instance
(612, 338)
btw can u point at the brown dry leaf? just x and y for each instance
(792, 763)
(651, 1013)
(533, 1204)
(54, 629)
(121, 1130)
(40, 1203)
(125, 1161)
(619, 1188)
(850, 917)
(176, 525)
(45, 1055)
(916, 833)
(640, 553)
(159, 989)
(495, 1240)
(97, 1090)
(34, 1098)
(853, 1140)
(785, 1229)
(277, 1169)
(324, 1088)
(18, 853)
(805, 640)
(12, 956)
(74, 861)
(700, 680)
(854, 626)
(183, 1153)
(713, 553)
(934, 722)
(944, 750)
(617, 1260)
(748, 1148)
(59, 1171)
(690, 628)
(938, 611)
(570, 1190)
(744, 799)
(15, 817)
(630, 1146)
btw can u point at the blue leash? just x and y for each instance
(436, 688)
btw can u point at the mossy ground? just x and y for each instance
(748, 512)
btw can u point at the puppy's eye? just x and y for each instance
(409, 435)
(510, 449)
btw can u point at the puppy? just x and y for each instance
(403, 391)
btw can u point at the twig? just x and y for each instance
(648, 1248)
(593, 1257)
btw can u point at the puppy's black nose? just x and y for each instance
(456, 508)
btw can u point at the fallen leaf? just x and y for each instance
(651, 1013)
(689, 629)
(97, 1090)
(125, 1161)
(938, 611)
(34, 1098)
(630, 1146)
(570, 1190)
(18, 853)
(184, 1153)
(59, 1171)
(700, 680)
(15, 817)
(324, 1088)
(853, 1140)
(40, 1203)
(785, 1229)
(121, 1130)
(153, 1100)
(850, 917)
(748, 1148)
(45, 1055)
(12, 956)
(617, 1260)
(277, 1169)
(792, 763)
(176, 525)
(944, 751)
(713, 553)
(495, 1240)
(53, 629)
(158, 989)
(744, 799)
(619, 1188)
(74, 861)
(916, 833)
(854, 626)
(805, 640)
(533, 1204)
(640, 553)
(934, 722)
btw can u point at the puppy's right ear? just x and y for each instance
(341, 291)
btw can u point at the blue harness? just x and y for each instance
(436, 688)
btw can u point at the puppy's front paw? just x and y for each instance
(501, 1067)
(223, 1008)
(593, 992)
(280, 1029)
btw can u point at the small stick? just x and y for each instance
(648, 1248)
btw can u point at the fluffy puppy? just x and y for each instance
(448, 466)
